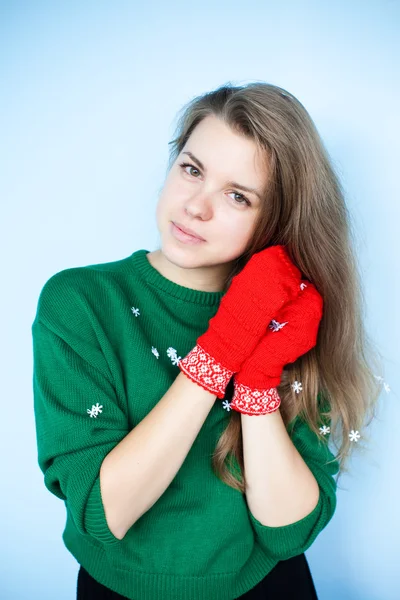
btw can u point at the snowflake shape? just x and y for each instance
(173, 356)
(385, 385)
(226, 405)
(275, 325)
(324, 430)
(135, 311)
(95, 410)
(297, 387)
(354, 436)
(155, 352)
(303, 285)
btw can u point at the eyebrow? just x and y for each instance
(245, 188)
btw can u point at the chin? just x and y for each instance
(182, 255)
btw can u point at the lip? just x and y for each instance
(188, 231)
(186, 238)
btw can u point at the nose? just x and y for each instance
(199, 206)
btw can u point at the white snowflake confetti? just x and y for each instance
(135, 311)
(385, 385)
(275, 325)
(226, 405)
(155, 352)
(173, 356)
(95, 410)
(324, 429)
(303, 285)
(354, 436)
(297, 387)
(378, 377)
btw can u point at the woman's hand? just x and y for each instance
(266, 283)
(291, 334)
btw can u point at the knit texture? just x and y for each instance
(266, 283)
(107, 340)
(293, 333)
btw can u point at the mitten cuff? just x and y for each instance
(250, 401)
(204, 370)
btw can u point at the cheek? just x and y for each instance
(169, 197)
(164, 204)
(158, 212)
(173, 184)
(234, 235)
(237, 227)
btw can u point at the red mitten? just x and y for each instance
(267, 282)
(292, 334)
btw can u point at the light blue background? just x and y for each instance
(88, 96)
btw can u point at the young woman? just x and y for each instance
(184, 397)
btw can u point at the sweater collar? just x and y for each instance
(152, 276)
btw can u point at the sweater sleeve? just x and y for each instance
(291, 540)
(77, 415)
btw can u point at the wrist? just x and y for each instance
(255, 400)
(206, 371)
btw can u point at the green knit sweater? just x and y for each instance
(107, 339)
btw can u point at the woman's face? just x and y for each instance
(201, 197)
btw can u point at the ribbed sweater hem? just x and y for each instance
(142, 585)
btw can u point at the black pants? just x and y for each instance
(289, 580)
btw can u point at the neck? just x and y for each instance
(205, 279)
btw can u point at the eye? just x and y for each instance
(243, 200)
(184, 165)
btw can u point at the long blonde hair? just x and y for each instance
(305, 210)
